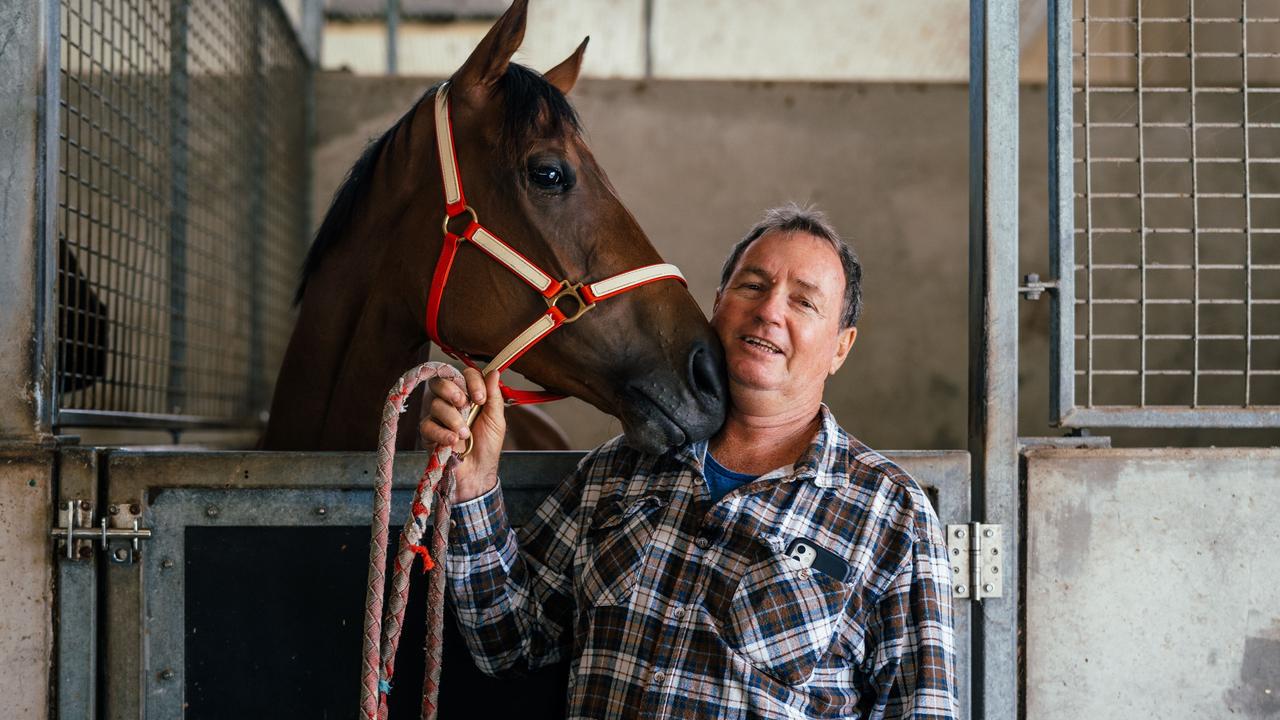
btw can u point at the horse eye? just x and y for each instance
(548, 176)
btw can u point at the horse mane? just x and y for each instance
(531, 105)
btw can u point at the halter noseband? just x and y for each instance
(586, 295)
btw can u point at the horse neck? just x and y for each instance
(356, 333)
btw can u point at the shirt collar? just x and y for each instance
(815, 463)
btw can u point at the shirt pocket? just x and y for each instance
(783, 618)
(616, 542)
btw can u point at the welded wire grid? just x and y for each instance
(1176, 111)
(181, 207)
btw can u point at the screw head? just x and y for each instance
(995, 569)
(960, 533)
(212, 511)
(166, 563)
(84, 505)
(988, 533)
(995, 551)
(121, 554)
(322, 511)
(114, 509)
(135, 509)
(166, 674)
(988, 587)
(961, 589)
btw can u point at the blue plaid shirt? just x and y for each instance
(670, 606)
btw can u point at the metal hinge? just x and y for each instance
(119, 533)
(977, 560)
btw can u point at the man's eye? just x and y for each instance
(547, 176)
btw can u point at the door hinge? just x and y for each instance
(977, 560)
(119, 533)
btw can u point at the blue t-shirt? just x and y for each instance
(720, 480)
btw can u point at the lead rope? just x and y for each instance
(382, 636)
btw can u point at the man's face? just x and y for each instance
(778, 318)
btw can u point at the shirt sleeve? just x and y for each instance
(512, 592)
(913, 671)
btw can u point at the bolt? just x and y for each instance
(988, 533)
(86, 552)
(135, 509)
(961, 589)
(960, 533)
(84, 505)
(212, 511)
(166, 674)
(121, 554)
(167, 563)
(114, 510)
(988, 587)
(322, 511)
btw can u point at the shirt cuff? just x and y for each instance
(476, 521)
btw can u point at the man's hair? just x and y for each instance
(808, 219)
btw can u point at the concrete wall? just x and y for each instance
(1151, 584)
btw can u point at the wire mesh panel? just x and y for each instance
(182, 208)
(1172, 267)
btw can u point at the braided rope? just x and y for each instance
(382, 635)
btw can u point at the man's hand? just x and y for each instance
(446, 425)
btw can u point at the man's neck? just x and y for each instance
(757, 443)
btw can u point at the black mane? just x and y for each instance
(531, 105)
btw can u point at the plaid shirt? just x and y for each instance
(670, 607)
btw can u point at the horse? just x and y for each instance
(648, 357)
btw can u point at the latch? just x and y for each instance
(1035, 287)
(119, 537)
(977, 560)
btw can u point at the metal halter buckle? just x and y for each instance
(574, 291)
(475, 219)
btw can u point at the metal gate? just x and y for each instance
(177, 140)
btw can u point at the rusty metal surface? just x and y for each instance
(1151, 584)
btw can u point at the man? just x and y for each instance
(779, 570)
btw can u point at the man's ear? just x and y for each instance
(488, 62)
(844, 343)
(564, 75)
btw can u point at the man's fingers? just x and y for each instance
(447, 390)
(496, 410)
(449, 417)
(475, 385)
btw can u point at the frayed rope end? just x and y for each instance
(427, 563)
(384, 687)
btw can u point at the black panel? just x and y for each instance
(273, 625)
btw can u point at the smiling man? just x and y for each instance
(780, 570)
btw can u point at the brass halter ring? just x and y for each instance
(475, 219)
(574, 291)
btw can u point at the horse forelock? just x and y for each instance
(531, 108)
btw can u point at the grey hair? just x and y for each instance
(811, 221)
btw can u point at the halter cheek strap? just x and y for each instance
(554, 292)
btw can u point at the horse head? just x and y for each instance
(648, 357)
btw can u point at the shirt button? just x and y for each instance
(702, 543)
(680, 612)
(658, 677)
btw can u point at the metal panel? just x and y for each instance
(182, 191)
(181, 493)
(77, 596)
(1151, 583)
(1177, 213)
(993, 334)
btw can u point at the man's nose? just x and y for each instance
(771, 307)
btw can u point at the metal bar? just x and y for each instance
(175, 399)
(1173, 417)
(393, 30)
(1062, 248)
(255, 236)
(1195, 212)
(1248, 205)
(77, 595)
(116, 419)
(1088, 223)
(1142, 223)
(993, 335)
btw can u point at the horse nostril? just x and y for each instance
(705, 372)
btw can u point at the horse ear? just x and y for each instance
(564, 75)
(488, 62)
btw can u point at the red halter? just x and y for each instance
(553, 291)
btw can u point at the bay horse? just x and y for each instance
(648, 357)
